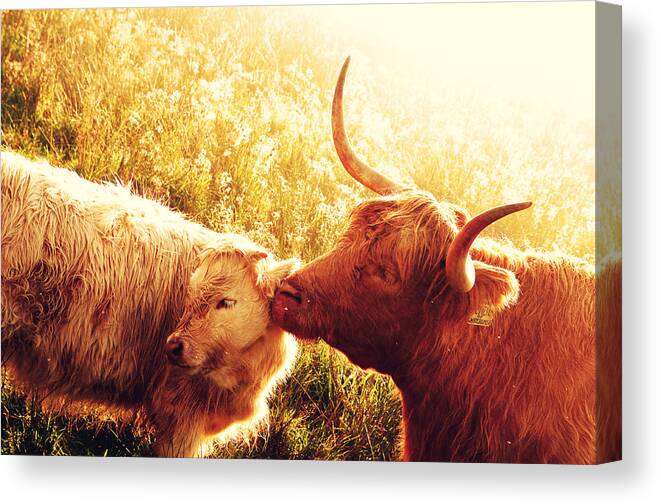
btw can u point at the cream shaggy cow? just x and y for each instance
(100, 288)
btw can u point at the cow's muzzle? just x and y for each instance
(181, 352)
(291, 308)
(291, 294)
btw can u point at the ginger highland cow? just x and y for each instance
(493, 349)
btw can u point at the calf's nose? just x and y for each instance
(174, 348)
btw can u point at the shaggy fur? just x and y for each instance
(522, 389)
(94, 279)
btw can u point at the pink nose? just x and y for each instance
(174, 348)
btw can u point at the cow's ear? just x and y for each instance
(272, 275)
(460, 217)
(495, 288)
(255, 255)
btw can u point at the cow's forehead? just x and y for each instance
(410, 209)
(374, 207)
(220, 271)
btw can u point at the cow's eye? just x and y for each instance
(386, 275)
(225, 303)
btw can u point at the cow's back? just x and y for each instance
(554, 322)
(529, 376)
(609, 359)
(93, 279)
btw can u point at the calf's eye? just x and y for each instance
(225, 303)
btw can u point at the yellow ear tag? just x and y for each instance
(482, 317)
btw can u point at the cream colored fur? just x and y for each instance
(95, 279)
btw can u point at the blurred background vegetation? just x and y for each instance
(223, 114)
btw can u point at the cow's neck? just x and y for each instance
(441, 424)
(442, 412)
(425, 440)
(426, 406)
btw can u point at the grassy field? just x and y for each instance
(223, 114)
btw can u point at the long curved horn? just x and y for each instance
(367, 176)
(458, 263)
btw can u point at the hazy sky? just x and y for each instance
(537, 51)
